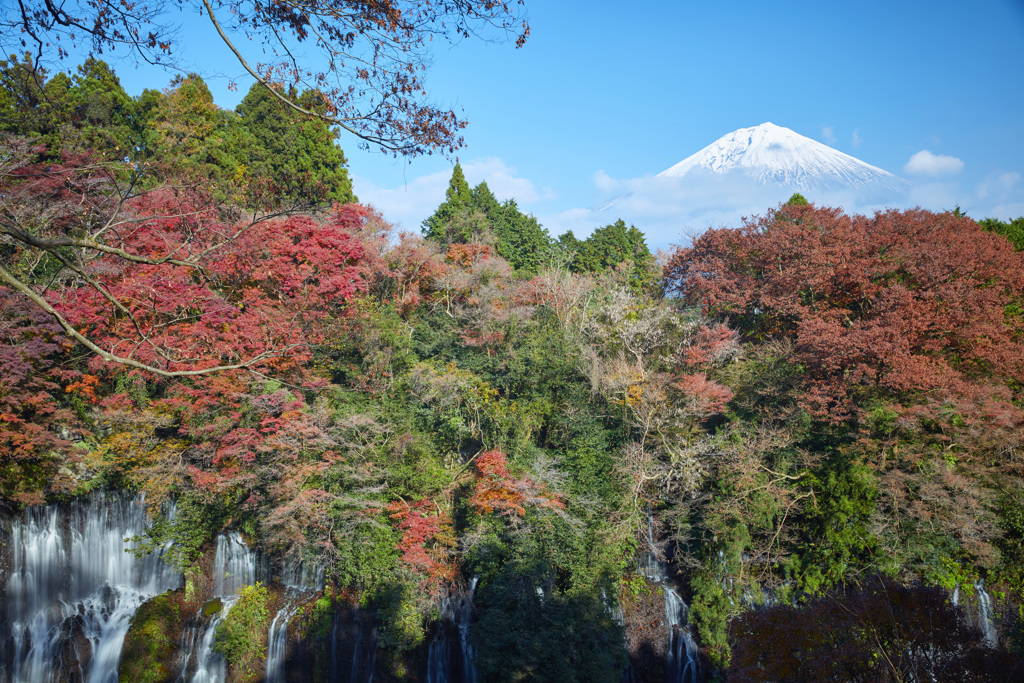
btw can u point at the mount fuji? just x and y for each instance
(745, 173)
(771, 154)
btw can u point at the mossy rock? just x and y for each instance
(212, 607)
(151, 645)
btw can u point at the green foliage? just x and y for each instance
(88, 111)
(838, 540)
(150, 646)
(457, 198)
(366, 555)
(265, 155)
(611, 245)
(194, 522)
(519, 238)
(475, 215)
(797, 200)
(400, 616)
(710, 611)
(1012, 230)
(1011, 545)
(242, 636)
(294, 152)
(523, 609)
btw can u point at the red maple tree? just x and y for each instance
(904, 302)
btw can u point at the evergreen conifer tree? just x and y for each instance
(297, 153)
(457, 199)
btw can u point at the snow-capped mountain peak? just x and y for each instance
(773, 154)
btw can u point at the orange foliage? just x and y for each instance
(496, 490)
(466, 255)
(85, 387)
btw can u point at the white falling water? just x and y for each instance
(465, 614)
(363, 670)
(438, 661)
(302, 577)
(211, 666)
(74, 586)
(682, 661)
(234, 568)
(234, 565)
(277, 644)
(985, 622)
(299, 579)
(458, 609)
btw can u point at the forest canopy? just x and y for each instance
(808, 410)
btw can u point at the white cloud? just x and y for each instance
(408, 205)
(1000, 195)
(997, 185)
(605, 183)
(672, 210)
(856, 139)
(828, 134)
(503, 181)
(926, 163)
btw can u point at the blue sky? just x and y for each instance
(603, 95)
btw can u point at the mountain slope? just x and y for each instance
(773, 154)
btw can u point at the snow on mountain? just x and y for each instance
(772, 154)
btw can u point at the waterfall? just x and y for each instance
(438, 662)
(363, 670)
(465, 614)
(210, 666)
(682, 661)
(234, 568)
(234, 565)
(333, 672)
(985, 615)
(300, 576)
(457, 609)
(73, 587)
(277, 643)
(299, 579)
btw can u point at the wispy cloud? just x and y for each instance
(674, 210)
(1002, 195)
(828, 134)
(856, 139)
(926, 163)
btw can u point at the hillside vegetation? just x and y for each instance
(808, 409)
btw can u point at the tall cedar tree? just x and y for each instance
(294, 151)
(440, 226)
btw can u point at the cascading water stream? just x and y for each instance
(985, 622)
(457, 609)
(277, 644)
(465, 615)
(682, 661)
(234, 568)
(438, 660)
(74, 586)
(299, 580)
